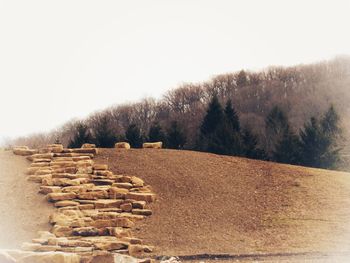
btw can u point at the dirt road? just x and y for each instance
(23, 211)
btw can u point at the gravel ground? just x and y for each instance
(218, 204)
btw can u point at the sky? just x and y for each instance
(66, 59)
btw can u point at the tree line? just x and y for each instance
(301, 91)
(220, 132)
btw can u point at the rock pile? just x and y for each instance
(96, 209)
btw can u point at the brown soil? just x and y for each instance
(23, 211)
(218, 204)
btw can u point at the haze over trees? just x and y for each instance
(266, 112)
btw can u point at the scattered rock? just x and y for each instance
(122, 145)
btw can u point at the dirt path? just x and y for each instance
(218, 204)
(23, 211)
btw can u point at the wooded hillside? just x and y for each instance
(301, 91)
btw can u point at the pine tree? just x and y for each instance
(311, 144)
(81, 136)
(104, 134)
(250, 146)
(213, 117)
(287, 149)
(330, 123)
(175, 136)
(156, 133)
(319, 141)
(133, 136)
(232, 117)
(275, 124)
(331, 136)
(224, 141)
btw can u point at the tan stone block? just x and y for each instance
(47, 182)
(40, 156)
(86, 206)
(132, 240)
(137, 182)
(71, 170)
(64, 182)
(40, 164)
(118, 222)
(135, 249)
(122, 145)
(93, 195)
(138, 204)
(41, 160)
(24, 152)
(66, 203)
(79, 250)
(85, 231)
(62, 231)
(119, 232)
(43, 171)
(49, 189)
(127, 207)
(143, 212)
(117, 193)
(55, 148)
(85, 150)
(102, 182)
(111, 245)
(52, 197)
(98, 166)
(108, 203)
(152, 145)
(64, 175)
(88, 146)
(148, 197)
(123, 185)
(73, 243)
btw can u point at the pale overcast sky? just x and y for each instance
(66, 59)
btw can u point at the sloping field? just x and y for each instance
(23, 211)
(218, 204)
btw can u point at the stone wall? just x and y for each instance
(95, 209)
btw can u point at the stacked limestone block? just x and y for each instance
(96, 209)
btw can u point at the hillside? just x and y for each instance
(218, 204)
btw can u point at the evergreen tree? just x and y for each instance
(232, 117)
(156, 133)
(276, 123)
(213, 117)
(133, 136)
(104, 134)
(312, 146)
(319, 141)
(175, 136)
(330, 123)
(224, 141)
(250, 146)
(287, 149)
(81, 136)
